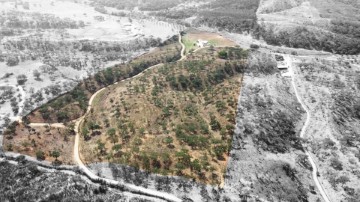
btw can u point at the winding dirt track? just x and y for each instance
(133, 188)
(303, 131)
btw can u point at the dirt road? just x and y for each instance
(303, 130)
(77, 158)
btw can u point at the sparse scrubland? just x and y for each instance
(184, 119)
(24, 139)
(54, 144)
(73, 104)
(176, 119)
(267, 152)
(26, 182)
(331, 90)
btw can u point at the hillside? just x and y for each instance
(327, 25)
(176, 119)
(43, 139)
(331, 88)
(24, 181)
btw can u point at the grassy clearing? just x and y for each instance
(189, 44)
(216, 40)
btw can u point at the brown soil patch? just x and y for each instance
(27, 140)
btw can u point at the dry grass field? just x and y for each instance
(41, 142)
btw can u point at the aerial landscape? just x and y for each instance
(180, 100)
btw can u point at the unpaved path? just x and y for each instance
(51, 125)
(131, 187)
(303, 131)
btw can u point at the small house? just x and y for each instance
(202, 43)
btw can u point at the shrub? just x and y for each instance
(223, 54)
(336, 164)
(21, 79)
(254, 46)
(40, 155)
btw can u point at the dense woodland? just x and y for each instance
(302, 37)
(231, 15)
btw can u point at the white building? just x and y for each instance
(202, 43)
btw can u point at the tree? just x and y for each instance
(215, 125)
(112, 135)
(40, 155)
(36, 74)
(254, 46)
(55, 154)
(184, 157)
(142, 131)
(21, 79)
(117, 147)
(12, 61)
(168, 141)
(195, 165)
(85, 133)
(223, 54)
(336, 164)
(101, 147)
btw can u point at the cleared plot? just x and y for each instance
(192, 37)
(176, 119)
(45, 143)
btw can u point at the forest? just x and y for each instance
(231, 15)
(302, 37)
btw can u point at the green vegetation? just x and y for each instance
(190, 45)
(40, 155)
